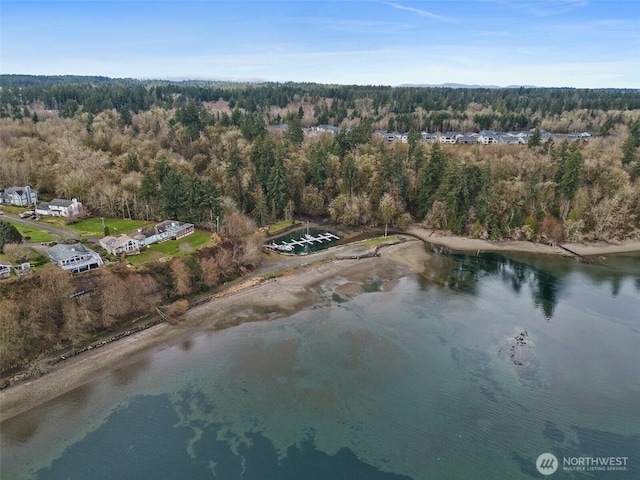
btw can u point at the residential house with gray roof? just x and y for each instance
(60, 208)
(167, 230)
(467, 139)
(123, 244)
(18, 196)
(75, 258)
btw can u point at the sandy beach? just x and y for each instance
(255, 299)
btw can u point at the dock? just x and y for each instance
(306, 239)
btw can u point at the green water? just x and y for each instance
(414, 381)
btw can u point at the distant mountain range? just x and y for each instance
(462, 85)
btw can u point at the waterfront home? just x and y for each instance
(123, 244)
(75, 258)
(167, 230)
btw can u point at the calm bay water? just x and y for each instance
(414, 381)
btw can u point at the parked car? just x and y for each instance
(27, 214)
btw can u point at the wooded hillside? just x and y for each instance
(194, 151)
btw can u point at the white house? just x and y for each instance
(75, 258)
(584, 136)
(5, 269)
(429, 137)
(60, 208)
(392, 137)
(487, 138)
(167, 230)
(123, 244)
(450, 137)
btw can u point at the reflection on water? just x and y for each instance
(402, 379)
(545, 277)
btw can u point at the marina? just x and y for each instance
(302, 243)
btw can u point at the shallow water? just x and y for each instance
(409, 380)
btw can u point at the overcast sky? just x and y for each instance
(550, 43)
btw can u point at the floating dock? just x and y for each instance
(306, 239)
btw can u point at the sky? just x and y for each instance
(546, 43)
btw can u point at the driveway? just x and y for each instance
(59, 231)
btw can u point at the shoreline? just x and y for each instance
(253, 300)
(465, 244)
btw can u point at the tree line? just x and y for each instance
(196, 163)
(503, 108)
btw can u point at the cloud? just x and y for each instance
(421, 12)
(373, 27)
(544, 8)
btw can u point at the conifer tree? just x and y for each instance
(430, 178)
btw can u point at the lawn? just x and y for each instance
(170, 248)
(281, 226)
(374, 242)
(34, 258)
(35, 234)
(93, 226)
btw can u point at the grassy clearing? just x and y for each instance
(375, 242)
(281, 226)
(187, 244)
(36, 259)
(146, 257)
(93, 226)
(53, 221)
(35, 234)
(171, 248)
(277, 273)
(13, 210)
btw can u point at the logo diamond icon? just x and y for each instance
(547, 463)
